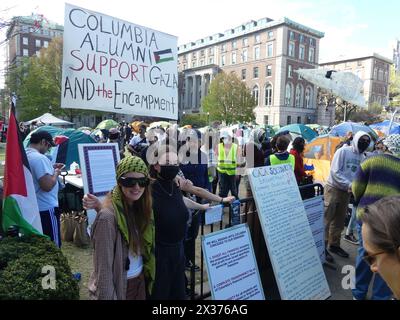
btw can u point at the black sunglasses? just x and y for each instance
(371, 258)
(128, 182)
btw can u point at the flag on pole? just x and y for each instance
(163, 56)
(20, 206)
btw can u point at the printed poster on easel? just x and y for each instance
(231, 265)
(291, 246)
(98, 164)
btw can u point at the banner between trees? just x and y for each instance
(116, 66)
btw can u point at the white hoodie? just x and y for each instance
(345, 163)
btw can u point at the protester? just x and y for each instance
(45, 179)
(128, 133)
(298, 152)
(338, 189)
(138, 142)
(282, 156)
(377, 177)
(346, 142)
(123, 237)
(381, 235)
(114, 136)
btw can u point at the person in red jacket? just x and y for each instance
(297, 151)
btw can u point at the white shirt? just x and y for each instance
(135, 265)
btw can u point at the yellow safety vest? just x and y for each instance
(227, 164)
(274, 160)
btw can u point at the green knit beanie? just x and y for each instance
(131, 164)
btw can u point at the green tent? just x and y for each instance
(107, 124)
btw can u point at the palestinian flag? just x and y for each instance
(163, 56)
(20, 206)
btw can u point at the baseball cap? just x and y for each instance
(38, 136)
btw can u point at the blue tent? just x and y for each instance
(69, 150)
(384, 126)
(301, 129)
(340, 130)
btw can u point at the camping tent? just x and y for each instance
(66, 149)
(306, 132)
(341, 129)
(384, 127)
(319, 153)
(49, 119)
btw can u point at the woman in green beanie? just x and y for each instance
(123, 237)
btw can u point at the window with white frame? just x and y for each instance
(255, 93)
(211, 50)
(257, 38)
(291, 49)
(257, 53)
(268, 94)
(299, 96)
(311, 55)
(38, 43)
(245, 42)
(45, 44)
(301, 38)
(211, 60)
(269, 71)
(202, 62)
(291, 35)
(270, 34)
(25, 41)
(194, 64)
(380, 75)
(302, 52)
(233, 57)
(234, 44)
(194, 55)
(255, 72)
(270, 49)
(308, 98)
(25, 52)
(223, 60)
(288, 94)
(244, 55)
(290, 70)
(223, 47)
(375, 73)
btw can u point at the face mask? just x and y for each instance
(226, 140)
(169, 172)
(363, 145)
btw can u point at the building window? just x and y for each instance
(289, 120)
(255, 72)
(301, 38)
(265, 119)
(375, 73)
(257, 38)
(45, 44)
(291, 35)
(223, 48)
(299, 96)
(25, 52)
(25, 41)
(312, 42)
(245, 42)
(201, 53)
(234, 44)
(268, 95)
(211, 60)
(291, 49)
(298, 119)
(270, 34)
(243, 74)
(38, 43)
(308, 97)
(256, 53)
(233, 57)
(270, 49)
(269, 71)
(194, 55)
(244, 55)
(359, 63)
(211, 51)
(302, 52)
(380, 75)
(37, 53)
(223, 60)
(290, 70)
(184, 66)
(311, 53)
(201, 62)
(288, 94)
(194, 64)
(255, 94)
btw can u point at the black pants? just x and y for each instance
(227, 183)
(170, 272)
(51, 225)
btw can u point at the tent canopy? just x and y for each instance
(341, 129)
(49, 119)
(384, 127)
(302, 130)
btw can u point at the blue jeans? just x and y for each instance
(380, 290)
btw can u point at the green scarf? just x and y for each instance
(135, 164)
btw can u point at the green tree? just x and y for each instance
(229, 100)
(375, 108)
(197, 120)
(394, 87)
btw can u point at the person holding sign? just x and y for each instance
(123, 237)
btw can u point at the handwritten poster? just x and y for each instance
(315, 214)
(231, 265)
(294, 256)
(116, 66)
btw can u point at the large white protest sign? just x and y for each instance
(98, 164)
(231, 265)
(315, 214)
(116, 66)
(291, 247)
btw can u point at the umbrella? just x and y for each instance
(300, 129)
(107, 124)
(340, 130)
(384, 127)
(345, 85)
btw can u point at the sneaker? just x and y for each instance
(328, 257)
(352, 239)
(339, 251)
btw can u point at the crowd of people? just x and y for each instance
(145, 231)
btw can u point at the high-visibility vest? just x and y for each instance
(274, 160)
(227, 163)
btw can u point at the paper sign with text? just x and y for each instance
(231, 265)
(291, 247)
(117, 66)
(214, 214)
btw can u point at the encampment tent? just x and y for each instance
(48, 119)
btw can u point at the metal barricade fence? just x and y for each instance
(247, 212)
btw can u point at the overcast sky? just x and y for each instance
(351, 27)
